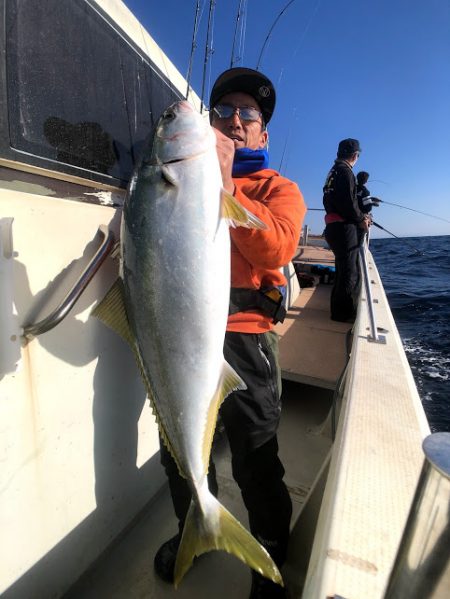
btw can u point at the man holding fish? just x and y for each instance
(197, 302)
(241, 105)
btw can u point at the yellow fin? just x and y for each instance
(112, 312)
(213, 527)
(229, 381)
(237, 215)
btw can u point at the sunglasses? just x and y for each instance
(245, 113)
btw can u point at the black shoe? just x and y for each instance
(164, 562)
(263, 588)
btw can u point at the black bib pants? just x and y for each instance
(343, 240)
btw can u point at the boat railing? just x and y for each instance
(66, 305)
(374, 335)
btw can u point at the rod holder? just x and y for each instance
(422, 566)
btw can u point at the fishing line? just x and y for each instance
(302, 37)
(377, 181)
(383, 229)
(270, 33)
(193, 47)
(405, 207)
(413, 210)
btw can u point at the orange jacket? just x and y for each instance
(256, 256)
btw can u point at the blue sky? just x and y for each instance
(376, 70)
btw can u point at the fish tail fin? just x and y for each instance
(210, 526)
(238, 216)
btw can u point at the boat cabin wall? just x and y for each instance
(79, 441)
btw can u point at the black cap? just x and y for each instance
(248, 81)
(347, 147)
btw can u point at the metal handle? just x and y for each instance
(61, 311)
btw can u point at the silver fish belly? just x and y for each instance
(177, 280)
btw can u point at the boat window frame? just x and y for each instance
(33, 160)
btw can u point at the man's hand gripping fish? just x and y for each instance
(171, 305)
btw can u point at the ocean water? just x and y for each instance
(416, 277)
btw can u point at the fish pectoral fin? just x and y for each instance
(212, 527)
(238, 216)
(169, 175)
(112, 312)
(229, 381)
(115, 252)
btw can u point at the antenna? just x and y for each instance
(208, 49)
(193, 47)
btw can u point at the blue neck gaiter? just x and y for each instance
(248, 161)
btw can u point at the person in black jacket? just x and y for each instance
(365, 201)
(343, 219)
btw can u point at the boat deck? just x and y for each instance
(126, 570)
(313, 348)
(311, 365)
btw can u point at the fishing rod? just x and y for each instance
(238, 18)
(402, 239)
(193, 47)
(208, 48)
(288, 138)
(270, 33)
(383, 229)
(413, 210)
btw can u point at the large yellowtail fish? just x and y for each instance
(171, 305)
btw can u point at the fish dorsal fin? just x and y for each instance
(112, 312)
(238, 216)
(229, 381)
